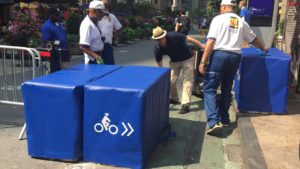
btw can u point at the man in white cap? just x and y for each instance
(220, 62)
(108, 25)
(174, 44)
(90, 34)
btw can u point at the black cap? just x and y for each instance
(53, 11)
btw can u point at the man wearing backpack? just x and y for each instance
(183, 24)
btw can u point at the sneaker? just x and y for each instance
(226, 124)
(185, 108)
(215, 128)
(174, 101)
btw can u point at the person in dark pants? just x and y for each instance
(53, 32)
(174, 44)
(199, 78)
(220, 62)
(183, 24)
(108, 25)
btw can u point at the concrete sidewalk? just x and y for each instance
(272, 141)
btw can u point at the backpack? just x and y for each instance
(186, 24)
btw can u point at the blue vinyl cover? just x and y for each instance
(53, 111)
(262, 83)
(135, 96)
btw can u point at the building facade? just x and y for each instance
(5, 6)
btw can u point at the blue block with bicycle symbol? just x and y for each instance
(54, 109)
(125, 114)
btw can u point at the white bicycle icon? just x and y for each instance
(100, 127)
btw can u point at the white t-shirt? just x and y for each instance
(108, 25)
(229, 31)
(90, 35)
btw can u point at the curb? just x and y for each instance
(251, 150)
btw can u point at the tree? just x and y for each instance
(144, 9)
(213, 7)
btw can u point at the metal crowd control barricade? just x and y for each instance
(51, 56)
(17, 64)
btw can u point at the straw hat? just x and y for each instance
(158, 33)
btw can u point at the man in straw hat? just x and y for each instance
(174, 44)
(220, 62)
(90, 41)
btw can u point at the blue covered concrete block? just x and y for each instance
(125, 115)
(262, 81)
(54, 111)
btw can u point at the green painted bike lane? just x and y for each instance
(192, 148)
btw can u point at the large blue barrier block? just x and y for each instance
(54, 111)
(262, 81)
(125, 115)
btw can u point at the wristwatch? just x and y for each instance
(202, 62)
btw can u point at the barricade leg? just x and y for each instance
(22, 132)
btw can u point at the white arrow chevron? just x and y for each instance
(131, 129)
(126, 129)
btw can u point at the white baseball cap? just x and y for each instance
(97, 5)
(228, 2)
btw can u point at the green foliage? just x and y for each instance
(73, 24)
(279, 31)
(148, 28)
(215, 4)
(132, 22)
(129, 33)
(121, 8)
(159, 20)
(139, 33)
(213, 8)
(144, 9)
(126, 35)
(34, 42)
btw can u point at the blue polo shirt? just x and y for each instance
(52, 32)
(177, 48)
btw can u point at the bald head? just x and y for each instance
(226, 8)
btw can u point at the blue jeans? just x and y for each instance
(108, 54)
(221, 70)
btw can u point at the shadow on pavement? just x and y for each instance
(184, 149)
